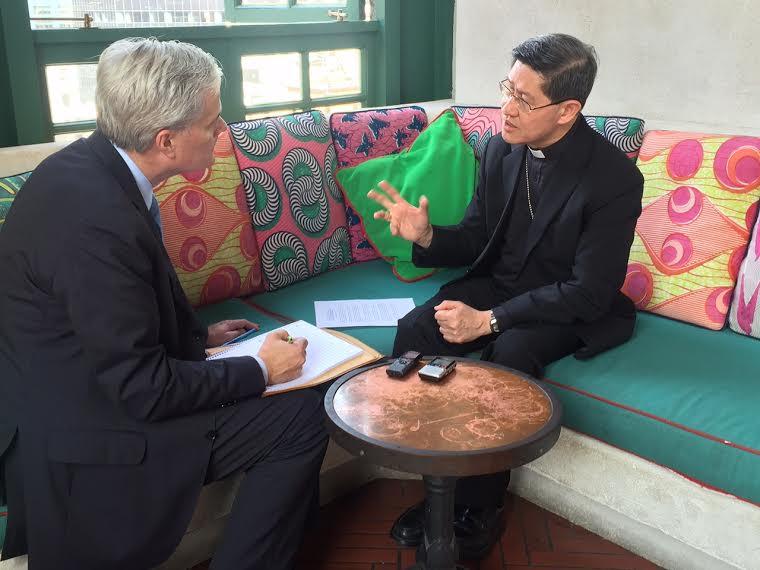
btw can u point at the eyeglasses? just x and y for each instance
(523, 106)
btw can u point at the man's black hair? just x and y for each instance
(567, 65)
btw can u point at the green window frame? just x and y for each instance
(235, 11)
(422, 30)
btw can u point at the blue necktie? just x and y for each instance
(156, 213)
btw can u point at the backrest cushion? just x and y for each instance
(363, 135)
(744, 316)
(439, 165)
(478, 124)
(690, 240)
(207, 230)
(9, 187)
(287, 164)
(626, 133)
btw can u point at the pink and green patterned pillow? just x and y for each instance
(287, 164)
(744, 316)
(368, 134)
(9, 188)
(207, 230)
(439, 165)
(626, 133)
(478, 125)
(699, 192)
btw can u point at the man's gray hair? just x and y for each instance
(145, 85)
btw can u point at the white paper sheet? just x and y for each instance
(361, 312)
(324, 352)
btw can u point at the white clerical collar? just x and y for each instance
(537, 153)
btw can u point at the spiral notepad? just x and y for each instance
(323, 352)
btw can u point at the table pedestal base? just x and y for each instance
(438, 550)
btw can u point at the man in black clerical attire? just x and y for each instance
(547, 237)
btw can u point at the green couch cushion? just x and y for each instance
(439, 164)
(236, 309)
(679, 395)
(370, 280)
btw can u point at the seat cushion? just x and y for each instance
(692, 235)
(370, 280)
(681, 396)
(299, 216)
(207, 230)
(237, 309)
(359, 136)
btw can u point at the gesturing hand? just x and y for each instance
(284, 360)
(412, 224)
(224, 331)
(460, 323)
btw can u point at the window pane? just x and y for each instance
(274, 78)
(126, 13)
(71, 137)
(335, 73)
(321, 2)
(265, 114)
(340, 108)
(71, 92)
(264, 2)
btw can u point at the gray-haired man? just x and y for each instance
(112, 420)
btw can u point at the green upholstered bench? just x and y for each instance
(679, 395)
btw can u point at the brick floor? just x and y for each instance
(353, 535)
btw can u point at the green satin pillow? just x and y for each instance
(439, 164)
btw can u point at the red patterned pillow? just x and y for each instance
(699, 192)
(207, 230)
(363, 135)
(287, 165)
(479, 124)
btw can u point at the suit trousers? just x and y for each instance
(279, 443)
(527, 348)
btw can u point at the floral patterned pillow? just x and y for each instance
(362, 135)
(207, 230)
(287, 164)
(700, 194)
(9, 188)
(626, 133)
(478, 125)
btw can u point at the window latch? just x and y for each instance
(339, 15)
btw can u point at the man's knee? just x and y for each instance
(411, 329)
(511, 349)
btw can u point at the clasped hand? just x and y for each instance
(460, 323)
(406, 221)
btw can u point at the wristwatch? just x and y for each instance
(494, 323)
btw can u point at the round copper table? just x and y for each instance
(482, 418)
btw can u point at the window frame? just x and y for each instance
(291, 12)
(228, 44)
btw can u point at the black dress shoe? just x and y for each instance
(409, 528)
(477, 530)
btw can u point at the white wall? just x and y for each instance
(678, 64)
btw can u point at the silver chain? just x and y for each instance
(527, 184)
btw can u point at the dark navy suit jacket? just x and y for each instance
(107, 403)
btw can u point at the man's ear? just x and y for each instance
(164, 142)
(570, 110)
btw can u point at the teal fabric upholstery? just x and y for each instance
(679, 395)
(236, 309)
(370, 280)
